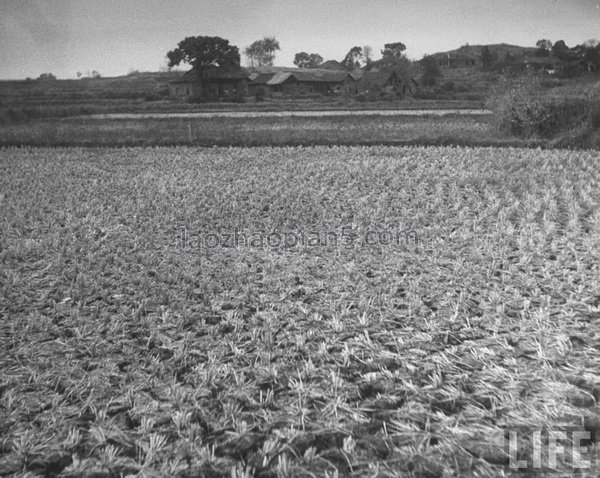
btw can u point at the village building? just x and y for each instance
(385, 82)
(279, 82)
(257, 83)
(212, 83)
(546, 64)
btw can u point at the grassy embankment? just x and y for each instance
(127, 350)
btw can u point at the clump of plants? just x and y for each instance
(521, 110)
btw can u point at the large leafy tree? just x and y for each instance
(352, 59)
(393, 59)
(561, 51)
(262, 52)
(393, 51)
(307, 60)
(202, 52)
(543, 47)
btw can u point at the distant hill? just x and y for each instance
(498, 48)
(470, 55)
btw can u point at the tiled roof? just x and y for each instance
(260, 78)
(216, 73)
(279, 78)
(308, 74)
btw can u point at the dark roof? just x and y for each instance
(319, 74)
(260, 78)
(215, 73)
(309, 75)
(377, 77)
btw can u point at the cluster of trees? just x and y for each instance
(89, 74)
(357, 56)
(307, 60)
(201, 52)
(586, 55)
(47, 76)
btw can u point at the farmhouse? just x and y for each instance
(547, 64)
(385, 82)
(213, 82)
(257, 84)
(277, 82)
(274, 82)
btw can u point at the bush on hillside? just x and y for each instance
(520, 110)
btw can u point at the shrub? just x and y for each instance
(569, 121)
(521, 111)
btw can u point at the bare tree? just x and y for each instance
(262, 52)
(367, 52)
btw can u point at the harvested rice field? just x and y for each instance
(299, 312)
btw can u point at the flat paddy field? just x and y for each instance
(373, 311)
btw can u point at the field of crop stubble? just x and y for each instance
(135, 342)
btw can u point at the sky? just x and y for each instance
(115, 37)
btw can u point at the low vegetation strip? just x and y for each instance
(128, 349)
(299, 113)
(274, 131)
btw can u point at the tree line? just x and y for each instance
(201, 52)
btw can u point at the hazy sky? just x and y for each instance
(115, 36)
